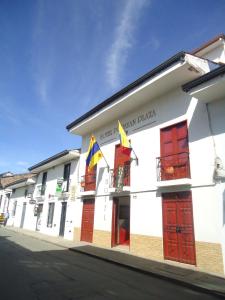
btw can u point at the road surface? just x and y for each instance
(33, 269)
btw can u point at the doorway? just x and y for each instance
(23, 214)
(178, 227)
(39, 214)
(121, 221)
(63, 219)
(87, 224)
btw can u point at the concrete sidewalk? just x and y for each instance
(182, 275)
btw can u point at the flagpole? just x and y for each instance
(105, 160)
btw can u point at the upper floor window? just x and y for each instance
(66, 176)
(44, 180)
(121, 173)
(90, 179)
(51, 208)
(174, 159)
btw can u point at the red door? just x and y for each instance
(90, 179)
(87, 220)
(122, 164)
(178, 228)
(174, 152)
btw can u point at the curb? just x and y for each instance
(154, 274)
(38, 238)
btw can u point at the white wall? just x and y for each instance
(146, 203)
(53, 174)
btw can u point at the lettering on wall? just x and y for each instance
(140, 121)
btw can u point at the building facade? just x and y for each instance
(45, 201)
(163, 199)
(55, 193)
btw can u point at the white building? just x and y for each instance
(168, 204)
(21, 206)
(6, 179)
(55, 193)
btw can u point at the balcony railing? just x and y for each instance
(120, 176)
(175, 166)
(88, 182)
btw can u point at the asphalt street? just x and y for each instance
(33, 269)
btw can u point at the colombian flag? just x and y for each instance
(124, 140)
(94, 153)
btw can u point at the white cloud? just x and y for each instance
(124, 40)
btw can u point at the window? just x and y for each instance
(44, 180)
(174, 160)
(13, 191)
(66, 176)
(25, 193)
(50, 214)
(0, 201)
(14, 209)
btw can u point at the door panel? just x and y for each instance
(122, 160)
(178, 228)
(87, 220)
(174, 152)
(170, 237)
(90, 179)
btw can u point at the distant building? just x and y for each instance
(166, 201)
(6, 179)
(55, 193)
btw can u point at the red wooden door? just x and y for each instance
(174, 152)
(90, 179)
(122, 160)
(87, 220)
(178, 228)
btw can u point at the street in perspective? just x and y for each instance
(35, 269)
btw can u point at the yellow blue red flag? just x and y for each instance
(94, 153)
(123, 137)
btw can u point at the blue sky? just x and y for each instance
(58, 59)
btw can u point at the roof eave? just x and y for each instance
(179, 56)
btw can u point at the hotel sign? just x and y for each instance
(140, 121)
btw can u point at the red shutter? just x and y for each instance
(174, 152)
(90, 179)
(122, 159)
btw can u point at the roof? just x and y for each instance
(207, 77)
(50, 159)
(210, 42)
(20, 180)
(9, 180)
(179, 56)
(5, 174)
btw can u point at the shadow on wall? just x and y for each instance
(200, 120)
(100, 176)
